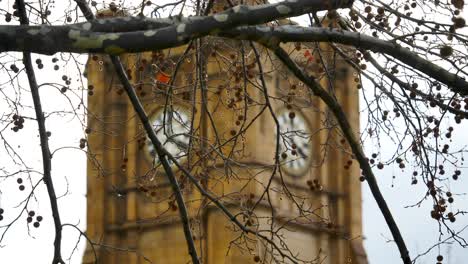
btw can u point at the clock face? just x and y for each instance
(295, 146)
(172, 127)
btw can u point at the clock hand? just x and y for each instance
(301, 152)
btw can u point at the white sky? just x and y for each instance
(19, 246)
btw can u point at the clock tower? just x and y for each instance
(252, 135)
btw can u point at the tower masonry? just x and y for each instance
(252, 135)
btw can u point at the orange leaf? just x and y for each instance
(162, 77)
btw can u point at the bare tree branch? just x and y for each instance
(46, 155)
(162, 153)
(349, 134)
(80, 38)
(273, 36)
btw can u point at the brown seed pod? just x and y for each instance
(297, 45)
(446, 51)
(459, 22)
(113, 7)
(458, 3)
(332, 14)
(380, 10)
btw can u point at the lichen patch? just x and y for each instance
(150, 33)
(43, 30)
(114, 50)
(181, 28)
(264, 29)
(87, 26)
(283, 10)
(221, 17)
(92, 41)
(111, 36)
(33, 31)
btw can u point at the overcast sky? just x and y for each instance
(417, 227)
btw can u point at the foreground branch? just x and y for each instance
(273, 36)
(46, 156)
(83, 37)
(80, 38)
(161, 152)
(121, 74)
(348, 133)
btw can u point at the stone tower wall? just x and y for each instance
(130, 211)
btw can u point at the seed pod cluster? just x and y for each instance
(18, 122)
(82, 143)
(30, 219)
(314, 185)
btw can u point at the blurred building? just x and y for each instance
(214, 117)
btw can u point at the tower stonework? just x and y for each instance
(132, 217)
